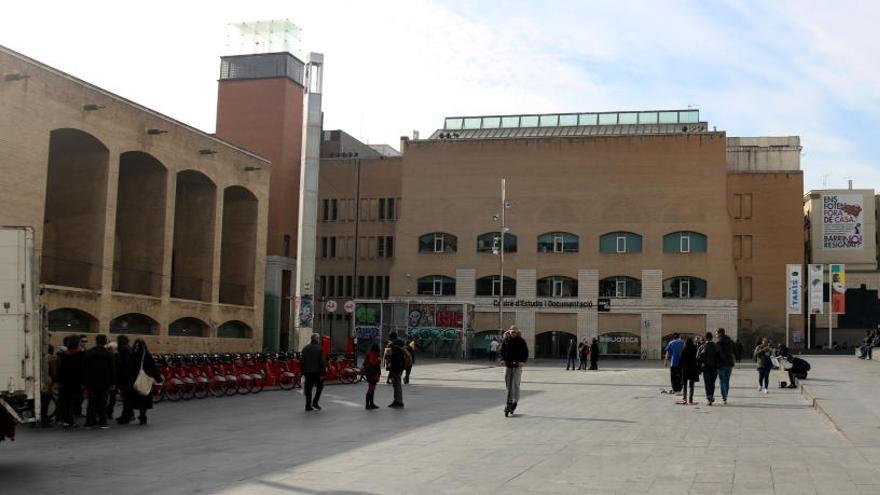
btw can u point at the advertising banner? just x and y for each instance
(842, 221)
(815, 288)
(838, 288)
(793, 289)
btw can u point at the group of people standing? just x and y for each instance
(102, 372)
(582, 352)
(713, 358)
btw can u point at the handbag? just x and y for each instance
(143, 384)
(775, 361)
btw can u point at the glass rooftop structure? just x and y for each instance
(652, 117)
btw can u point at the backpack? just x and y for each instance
(708, 356)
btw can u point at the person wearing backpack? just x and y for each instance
(709, 359)
(372, 371)
(396, 367)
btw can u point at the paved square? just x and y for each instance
(575, 432)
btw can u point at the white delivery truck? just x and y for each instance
(21, 332)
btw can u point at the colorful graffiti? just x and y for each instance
(435, 333)
(366, 332)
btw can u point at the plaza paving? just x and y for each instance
(609, 431)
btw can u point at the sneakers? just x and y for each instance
(396, 405)
(104, 427)
(682, 402)
(309, 408)
(725, 401)
(765, 391)
(316, 406)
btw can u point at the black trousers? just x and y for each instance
(593, 364)
(675, 378)
(96, 411)
(316, 382)
(111, 402)
(68, 402)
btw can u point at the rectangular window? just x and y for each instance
(348, 286)
(389, 247)
(685, 243)
(325, 210)
(558, 244)
(361, 286)
(438, 287)
(380, 246)
(438, 243)
(387, 286)
(621, 244)
(334, 210)
(333, 247)
(323, 247)
(391, 208)
(737, 247)
(684, 289)
(620, 288)
(370, 286)
(747, 289)
(747, 247)
(737, 205)
(382, 209)
(340, 288)
(322, 290)
(557, 288)
(331, 286)
(379, 281)
(747, 206)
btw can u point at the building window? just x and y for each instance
(684, 287)
(325, 210)
(558, 242)
(334, 210)
(348, 286)
(488, 242)
(332, 248)
(436, 285)
(557, 286)
(491, 286)
(438, 242)
(685, 242)
(620, 286)
(620, 243)
(391, 210)
(386, 209)
(361, 286)
(387, 286)
(323, 247)
(285, 245)
(331, 286)
(744, 289)
(384, 246)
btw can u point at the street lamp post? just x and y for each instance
(500, 251)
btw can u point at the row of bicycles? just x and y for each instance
(189, 376)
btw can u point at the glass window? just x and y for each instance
(689, 117)
(549, 120)
(628, 118)
(490, 286)
(685, 242)
(557, 286)
(620, 286)
(612, 242)
(668, 117)
(438, 242)
(453, 124)
(558, 242)
(391, 213)
(607, 118)
(509, 122)
(488, 243)
(436, 285)
(568, 120)
(621, 243)
(381, 208)
(491, 122)
(528, 121)
(647, 117)
(334, 210)
(684, 287)
(587, 119)
(472, 123)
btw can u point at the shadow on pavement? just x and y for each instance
(575, 419)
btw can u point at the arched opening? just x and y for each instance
(438, 242)
(488, 242)
(71, 320)
(436, 285)
(481, 341)
(620, 345)
(193, 254)
(684, 287)
(620, 286)
(238, 247)
(76, 199)
(140, 224)
(189, 327)
(558, 242)
(557, 286)
(234, 329)
(491, 286)
(134, 324)
(553, 344)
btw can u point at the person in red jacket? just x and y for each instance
(372, 372)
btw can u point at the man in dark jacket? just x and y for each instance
(314, 369)
(709, 359)
(514, 353)
(70, 378)
(99, 374)
(727, 351)
(396, 367)
(594, 354)
(123, 354)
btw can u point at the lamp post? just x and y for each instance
(499, 249)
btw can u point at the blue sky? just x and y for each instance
(752, 68)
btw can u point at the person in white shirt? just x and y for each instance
(493, 349)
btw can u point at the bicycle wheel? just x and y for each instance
(187, 390)
(245, 384)
(287, 381)
(258, 384)
(217, 388)
(173, 391)
(200, 389)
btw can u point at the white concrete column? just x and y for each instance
(588, 284)
(652, 287)
(652, 329)
(465, 282)
(168, 240)
(107, 258)
(526, 284)
(218, 245)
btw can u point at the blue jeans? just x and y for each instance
(709, 376)
(724, 378)
(764, 377)
(570, 363)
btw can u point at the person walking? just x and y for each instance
(762, 356)
(709, 360)
(583, 354)
(132, 400)
(571, 355)
(70, 378)
(672, 358)
(410, 358)
(594, 354)
(314, 369)
(493, 349)
(372, 370)
(690, 371)
(386, 358)
(99, 374)
(396, 366)
(514, 354)
(739, 351)
(727, 352)
(121, 357)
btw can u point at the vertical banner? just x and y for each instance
(794, 289)
(842, 221)
(838, 288)
(815, 289)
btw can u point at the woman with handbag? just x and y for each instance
(139, 377)
(372, 371)
(762, 356)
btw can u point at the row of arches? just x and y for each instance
(78, 321)
(566, 242)
(682, 287)
(75, 218)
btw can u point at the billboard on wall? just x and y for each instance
(793, 289)
(842, 221)
(815, 288)
(838, 288)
